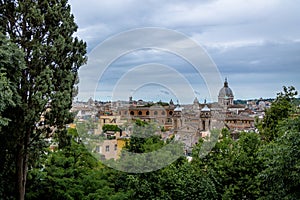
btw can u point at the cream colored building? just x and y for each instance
(108, 148)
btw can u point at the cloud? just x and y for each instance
(254, 43)
(260, 70)
(164, 92)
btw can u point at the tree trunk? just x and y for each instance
(22, 166)
(20, 175)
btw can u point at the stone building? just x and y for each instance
(190, 122)
(162, 114)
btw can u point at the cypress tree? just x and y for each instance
(11, 59)
(43, 30)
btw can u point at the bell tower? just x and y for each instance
(205, 118)
(177, 118)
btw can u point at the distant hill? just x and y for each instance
(242, 101)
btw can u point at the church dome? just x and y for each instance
(225, 91)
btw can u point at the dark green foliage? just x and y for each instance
(177, 181)
(280, 178)
(43, 30)
(144, 145)
(110, 127)
(250, 168)
(281, 108)
(160, 103)
(232, 165)
(11, 63)
(239, 101)
(146, 151)
(139, 122)
(72, 173)
(143, 138)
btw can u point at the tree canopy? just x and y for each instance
(43, 31)
(282, 107)
(11, 61)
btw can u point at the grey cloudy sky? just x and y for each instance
(256, 44)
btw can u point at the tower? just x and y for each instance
(205, 118)
(171, 103)
(177, 120)
(195, 104)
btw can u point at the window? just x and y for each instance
(131, 113)
(97, 149)
(140, 113)
(116, 147)
(170, 113)
(147, 113)
(107, 148)
(163, 113)
(155, 112)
